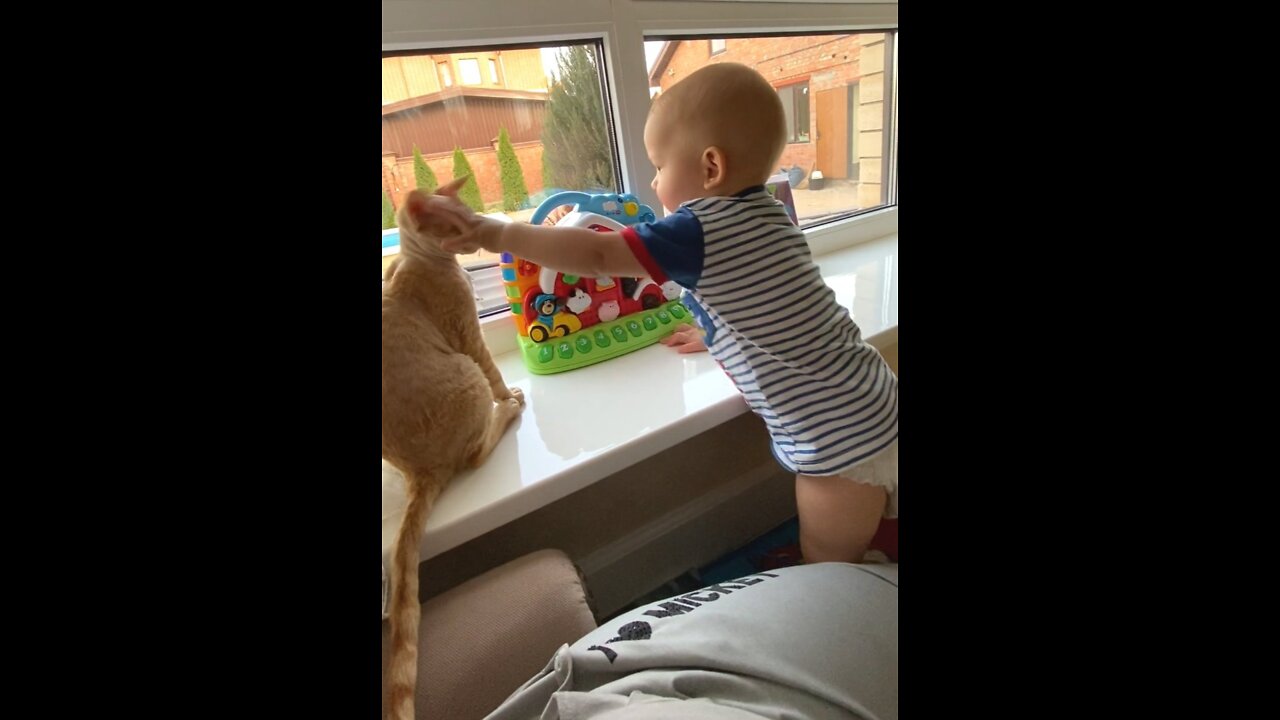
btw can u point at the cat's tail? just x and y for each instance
(402, 667)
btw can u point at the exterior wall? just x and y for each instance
(838, 60)
(413, 76)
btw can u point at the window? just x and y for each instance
(838, 87)
(795, 103)
(550, 108)
(469, 71)
(837, 94)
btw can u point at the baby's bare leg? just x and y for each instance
(838, 517)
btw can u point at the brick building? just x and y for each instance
(833, 92)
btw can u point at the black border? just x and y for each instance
(257, 559)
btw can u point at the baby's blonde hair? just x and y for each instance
(731, 106)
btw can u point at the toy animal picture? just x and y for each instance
(444, 408)
(567, 321)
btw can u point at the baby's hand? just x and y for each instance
(686, 339)
(485, 233)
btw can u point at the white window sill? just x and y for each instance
(584, 425)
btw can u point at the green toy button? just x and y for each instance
(601, 339)
(545, 353)
(650, 323)
(664, 317)
(584, 344)
(565, 350)
(677, 311)
(619, 333)
(633, 327)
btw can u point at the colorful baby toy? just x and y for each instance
(565, 321)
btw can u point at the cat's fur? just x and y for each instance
(444, 407)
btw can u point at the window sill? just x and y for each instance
(581, 426)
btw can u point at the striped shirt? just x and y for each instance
(828, 398)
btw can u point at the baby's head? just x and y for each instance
(717, 132)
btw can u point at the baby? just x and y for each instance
(828, 399)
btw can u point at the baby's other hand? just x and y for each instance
(686, 339)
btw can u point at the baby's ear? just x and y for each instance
(714, 167)
(451, 190)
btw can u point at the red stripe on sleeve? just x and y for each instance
(642, 254)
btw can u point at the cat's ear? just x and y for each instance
(415, 205)
(451, 190)
(419, 206)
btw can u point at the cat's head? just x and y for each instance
(421, 230)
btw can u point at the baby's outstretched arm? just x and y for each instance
(573, 250)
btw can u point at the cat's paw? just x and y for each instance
(518, 395)
(511, 408)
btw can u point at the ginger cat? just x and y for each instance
(444, 406)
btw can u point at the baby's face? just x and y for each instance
(679, 177)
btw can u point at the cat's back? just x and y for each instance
(410, 336)
(427, 315)
(426, 372)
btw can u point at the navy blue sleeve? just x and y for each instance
(670, 248)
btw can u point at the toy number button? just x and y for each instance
(677, 311)
(584, 344)
(545, 354)
(633, 327)
(565, 350)
(601, 339)
(619, 333)
(650, 323)
(664, 317)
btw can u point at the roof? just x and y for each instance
(660, 65)
(454, 92)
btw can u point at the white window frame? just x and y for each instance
(622, 27)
